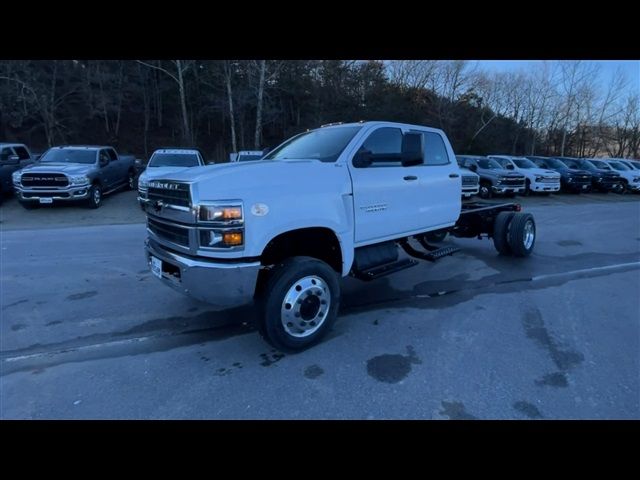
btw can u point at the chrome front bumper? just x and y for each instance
(507, 189)
(545, 187)
(223, 285)
(80, 192)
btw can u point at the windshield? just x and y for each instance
(68, 155)
(324, 144)
(586, 164)
(550, 163)
(619, 166)
(489, 164)
(524, 163)
(572, 163)
(248, 158)
(173, 160)
(600, 164)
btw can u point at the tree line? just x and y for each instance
(221, 106)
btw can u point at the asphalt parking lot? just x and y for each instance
(86, 332)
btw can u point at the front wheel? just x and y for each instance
(95, 196)
(300, 303)
(485, 191)
(621, 188)
(132, 181)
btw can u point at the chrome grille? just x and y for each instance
(169, 232)
(170, 193)
(469, 181)
(55, 180)
(512, 181)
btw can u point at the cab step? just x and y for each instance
(386, 269)
(430, 256)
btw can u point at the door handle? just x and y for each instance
(410, 177)
(453, 175)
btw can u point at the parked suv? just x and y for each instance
(603, 179)
(493, 177)
(74, 173)
(572, 179)
(537, 179)
(13, 156)
(165, 161)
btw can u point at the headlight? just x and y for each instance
(142, 183)
(79, 179)
(636, 179)
(220, 213)
(539, 179)
(15, 176)
(216, 238)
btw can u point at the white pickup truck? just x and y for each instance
(361, 199)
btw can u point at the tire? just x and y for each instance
(95, 196)
(500, 231)
(306, 282)
(29, 205)
(622, 188)
(132, 180)
(436, 236)
(522, 234)
(485, 190)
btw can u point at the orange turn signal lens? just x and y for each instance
(232, 238)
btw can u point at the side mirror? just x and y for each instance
(412, 149)
(362, 159)
(11, 159)
(510, 167)
(473, 167)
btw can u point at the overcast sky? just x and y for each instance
(607, 68)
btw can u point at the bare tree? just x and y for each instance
(181, 67)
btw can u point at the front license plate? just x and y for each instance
(156, 267)
(46, 200)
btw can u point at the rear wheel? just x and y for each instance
(522, 234)
(622, 188)
(500, 231)
(299, 303)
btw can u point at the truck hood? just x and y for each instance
(503, 172)
(574, 171)
(264, 178)
(66, 168)
(151, 173)
(540, 171)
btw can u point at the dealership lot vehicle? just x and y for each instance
(630, 176)
(538, 180)
(603, 178)
(246, 155)
(572, 179)
(74, 173)
(165, 161)
(494, 179)
(470, 182)
(13, 157)
(229, 234)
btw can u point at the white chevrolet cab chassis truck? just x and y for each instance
(362, 199)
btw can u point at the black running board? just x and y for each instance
(386, 269)
(431, 256)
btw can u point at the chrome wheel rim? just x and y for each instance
(131, 182)
(529, 234)
(96, 196)
(305, 306)
(484, 191)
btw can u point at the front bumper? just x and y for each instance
(71, 193)
(470, 191)
(545, 187)
(507, 188)
(223, 285)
